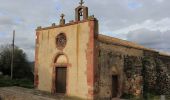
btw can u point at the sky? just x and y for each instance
(146, 22)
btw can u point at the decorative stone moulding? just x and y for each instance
(61, 41)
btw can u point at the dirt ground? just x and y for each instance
(18, 93)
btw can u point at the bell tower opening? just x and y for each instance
(81, 12)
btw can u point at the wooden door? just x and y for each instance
(61, 79)
(114, 85)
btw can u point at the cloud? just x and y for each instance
(116, 18)
(152, 39)
(160, 1)
(161, 25)
(24, 17)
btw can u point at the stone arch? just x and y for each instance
(60, 60)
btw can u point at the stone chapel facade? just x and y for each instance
(75, 60)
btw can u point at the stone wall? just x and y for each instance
(163, 74)
(139, 71)
(109, 64)
(156, 74)
(133, 75)
(117, 60)
(149, 74)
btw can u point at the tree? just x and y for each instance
(21, 68)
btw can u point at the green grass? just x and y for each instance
(5, 81)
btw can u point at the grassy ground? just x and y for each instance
(5, 81)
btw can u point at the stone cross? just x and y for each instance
(62, 20)
(81, 2)
(62, 16)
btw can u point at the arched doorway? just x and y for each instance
(60, 74)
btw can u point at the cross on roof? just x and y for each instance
(81, 2)
(62, 16)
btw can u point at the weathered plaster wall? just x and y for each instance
(79, 51)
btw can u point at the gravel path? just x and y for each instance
(18, 93)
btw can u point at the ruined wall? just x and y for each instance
(111, 61)
(79, 51)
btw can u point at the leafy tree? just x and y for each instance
(21, 67)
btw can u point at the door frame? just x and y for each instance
(117, 85)
(53, 90)
(54, 64)
(56, 78)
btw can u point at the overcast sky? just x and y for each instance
(146, 22)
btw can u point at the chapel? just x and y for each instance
(73, 59)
